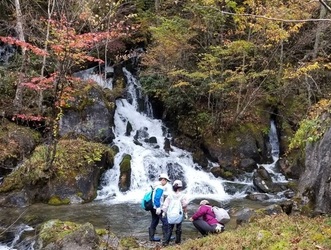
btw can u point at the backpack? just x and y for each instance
(147, 201)
(221, 215)
(175, 211)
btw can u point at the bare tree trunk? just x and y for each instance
(319, 31)
(20, 31)
(157, 5)
(281, 58)
(50, 11)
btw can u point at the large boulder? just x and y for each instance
(73, 176)
(66, 235)
(89, 115)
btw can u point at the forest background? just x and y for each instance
(213, 65)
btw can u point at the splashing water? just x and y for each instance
(151, 159)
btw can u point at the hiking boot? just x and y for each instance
(151, 233)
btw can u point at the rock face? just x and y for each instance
(315, 182)
(90, 116)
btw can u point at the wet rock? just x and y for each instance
(248, 165)
(257, 197)
(262, 180)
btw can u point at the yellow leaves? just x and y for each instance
(324, 105)
(208, 2)
(303, 70)
(180, 84)
(273, 18)
(327, 66)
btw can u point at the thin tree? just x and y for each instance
(20, 32)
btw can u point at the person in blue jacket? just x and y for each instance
(156, 212)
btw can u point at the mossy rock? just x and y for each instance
(74, 174)
(55, 234)
(125, 173)
(56, 200)
(16, 143)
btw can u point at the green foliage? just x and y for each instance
(194, 123)
(154, 85)
(7, 86)
(170, 46)
(314, 126)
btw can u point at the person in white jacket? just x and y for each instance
(177, 194)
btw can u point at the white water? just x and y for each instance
(277, 177)
(19, 231)
(149, 160)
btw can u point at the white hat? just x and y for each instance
(178, 183)
(164, 176)
(204, 202)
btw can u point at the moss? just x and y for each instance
(293, 185)
(72, 156)
(55, 230)
(129, 243)
(102, 231)
(125, 165)
(228, 174)
(56, 201)
(83, 97)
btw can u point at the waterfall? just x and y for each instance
(273, 140)
(274, 151)
(151, 159)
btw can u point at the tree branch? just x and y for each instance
(325, 5)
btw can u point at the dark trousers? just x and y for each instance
(155, 221)
(178, 232)
(203, 227)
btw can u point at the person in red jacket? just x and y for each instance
(204, 219)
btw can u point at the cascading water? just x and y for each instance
(151, 159)
(277, 177)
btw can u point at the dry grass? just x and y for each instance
(278, 232)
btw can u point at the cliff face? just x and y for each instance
(315, 181)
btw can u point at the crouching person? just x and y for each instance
(204, 219)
